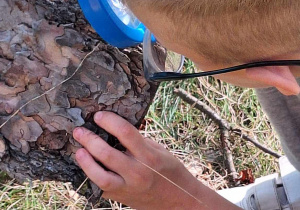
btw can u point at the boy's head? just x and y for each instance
(221, 33)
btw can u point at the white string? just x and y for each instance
(166, 178)
(67, 79)
(48, 91)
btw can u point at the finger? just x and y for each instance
(154, 144)
(106, 180)
(127, 134)
(112, 158)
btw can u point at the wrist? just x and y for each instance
(195, 195)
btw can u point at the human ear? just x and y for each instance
(276, 76)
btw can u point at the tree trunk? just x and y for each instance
(42, 42)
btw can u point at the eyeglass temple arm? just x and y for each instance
(170, 76)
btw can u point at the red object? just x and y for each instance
(246, 177)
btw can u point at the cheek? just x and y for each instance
(166, 37)
(239, 79)
(295, 71)
(169, 44)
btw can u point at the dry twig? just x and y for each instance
(224, 126)
(256, 143)
(228, 154)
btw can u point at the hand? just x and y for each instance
(131, 182)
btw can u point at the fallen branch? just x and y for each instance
(256, 143)
(228, 154)
(222, 123)
(185, 96)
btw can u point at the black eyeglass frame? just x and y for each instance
(154, 73)
(173, 76)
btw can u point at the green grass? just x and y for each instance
(184, 131)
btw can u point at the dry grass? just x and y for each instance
(184, 131)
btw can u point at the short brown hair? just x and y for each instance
(230, 30)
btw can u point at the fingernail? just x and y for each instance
(80, 154)
(78, 132)
(98, 116)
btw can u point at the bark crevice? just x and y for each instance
(41, 44)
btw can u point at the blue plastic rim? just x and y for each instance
(108, 25)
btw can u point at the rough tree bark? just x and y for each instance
(41, 43)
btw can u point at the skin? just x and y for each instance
(129, 181)
(283, 78)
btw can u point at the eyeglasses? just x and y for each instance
(173, 62)
(154, 73)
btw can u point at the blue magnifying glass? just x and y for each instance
(114, 22)
(118, 26)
